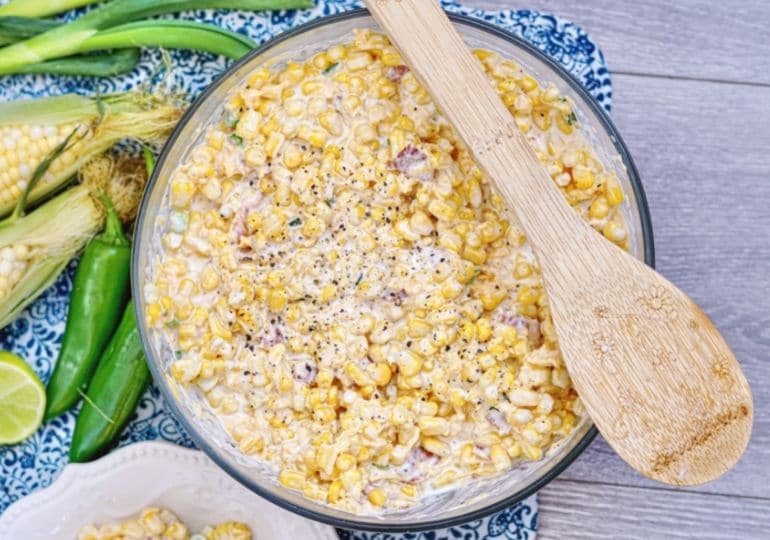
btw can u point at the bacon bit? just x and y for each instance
(523, 325)
(396, 73)
(239, 228)
(271, 336)
(413, 162)
(497, 419)
(481, 451)
(304, 370)
(409, 471)
(397, 297)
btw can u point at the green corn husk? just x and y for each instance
(35, 248)
(100, 122)
(39, 246)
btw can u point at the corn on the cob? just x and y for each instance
(33, 252)
(29, 129)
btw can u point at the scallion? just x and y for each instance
(13, 29)
(40, 8)
(172, 34)
(91, 65)
(68, 39)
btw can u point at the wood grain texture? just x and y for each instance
(723, 40)
(579, 510)
(711, 240)
(702, 150)
(657, 378)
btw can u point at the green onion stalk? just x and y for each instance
(70, 38)
(92, 65)
(40, 8)
(171, 34)
(13, 29)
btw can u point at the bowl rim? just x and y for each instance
(200, 441)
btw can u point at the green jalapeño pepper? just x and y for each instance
(119, 381)
(100, 290)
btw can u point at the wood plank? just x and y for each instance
(578, 510)
(701, 149)
(703, 39)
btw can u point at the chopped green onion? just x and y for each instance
(237, 139)
(67, 39)
(360, 279)
(294, 222)
(331, 68)
(229, 120)
(91, 65)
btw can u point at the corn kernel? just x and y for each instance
(435, 446)
(615, 231)
(483, 329)
(431, 425)
(441, 210)
(377, 497)
(382, 374)
(335, 491)
(527, 295)
(475, 255)
(490, 299)
(291, 479)
(277, 299)
(613, 191)
(599, 208)
(409, 364)
(583, 177)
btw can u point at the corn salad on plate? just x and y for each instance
(339, 282)
(189, 498)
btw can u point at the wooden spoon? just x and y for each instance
(655, 375)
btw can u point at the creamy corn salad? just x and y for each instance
(161, 524)
(340, 281)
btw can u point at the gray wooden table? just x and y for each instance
(691, 97)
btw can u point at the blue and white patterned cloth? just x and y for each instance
(37, 332)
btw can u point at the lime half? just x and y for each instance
(22, 399)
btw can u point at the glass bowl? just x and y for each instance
(446, 508)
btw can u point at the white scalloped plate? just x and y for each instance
(120, 484)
